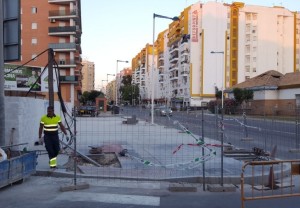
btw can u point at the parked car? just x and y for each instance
(162, 111)
(88, 111)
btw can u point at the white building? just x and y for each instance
(219, 45)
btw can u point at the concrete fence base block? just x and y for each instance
(247, 139)
(78, 186)
(221, 188)
(179, 187)
(294, 150)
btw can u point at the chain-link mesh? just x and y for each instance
(186, 146)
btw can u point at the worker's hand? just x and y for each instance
(41, 140)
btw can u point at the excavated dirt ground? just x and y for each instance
(103, 159)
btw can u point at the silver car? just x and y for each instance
(163, 111)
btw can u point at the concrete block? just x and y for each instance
(78, 186)
(219, 188)
(180, 187)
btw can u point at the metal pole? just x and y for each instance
(222, 147)
(2, 105)
(75, 150)
(245, 124)
(50, 77)
(203, 164)
(152, 73)
(116, 84)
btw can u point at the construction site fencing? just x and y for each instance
(270, 180)
(188, 146)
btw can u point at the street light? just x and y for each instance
(152, 71)
(116, 80)
(108, 75)
(222, 53)
(104, 80)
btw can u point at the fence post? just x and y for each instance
(202, 138)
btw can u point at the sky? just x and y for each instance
(119, 29)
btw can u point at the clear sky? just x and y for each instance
(119, 29)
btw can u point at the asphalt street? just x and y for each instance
(45, 192)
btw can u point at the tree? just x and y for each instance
(242, 95)
(129, 92)
(218, 93)
(89, 98)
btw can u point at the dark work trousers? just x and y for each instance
(52, 145)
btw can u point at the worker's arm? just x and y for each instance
(41, 130)
(62, 127)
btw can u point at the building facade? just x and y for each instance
(217, 45)
(88, 76)
(54, 24)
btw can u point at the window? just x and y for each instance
(248, 16)
(254, 16)
(247, 49)
(33, 56)
(247, 77)
(33, 10)
(247, 68)
(34, 26)
(33, 41)
(254, 69)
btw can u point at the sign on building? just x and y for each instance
(24, 78)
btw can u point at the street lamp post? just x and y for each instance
(222, 117)
(109, 75)
(116, 80)
(152, 71)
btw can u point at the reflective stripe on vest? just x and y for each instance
(50, 127)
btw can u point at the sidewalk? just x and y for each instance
(149, 186)
(144, 160)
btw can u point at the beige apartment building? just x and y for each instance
(88, 76)
(54, 24)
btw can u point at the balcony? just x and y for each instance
(69, 79)
(184, 73)
(64, 2)
(173, 59)
(62, 31)
(66, 63)
(62, 14)
(62, 46)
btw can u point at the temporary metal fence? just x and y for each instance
(270, 180)
(189, 146)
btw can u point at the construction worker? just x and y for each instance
(49, 123)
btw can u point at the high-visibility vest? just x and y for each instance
(50, 124)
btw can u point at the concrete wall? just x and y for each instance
(23, 114)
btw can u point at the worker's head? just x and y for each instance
(50, 110)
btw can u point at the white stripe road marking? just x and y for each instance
(110, 198)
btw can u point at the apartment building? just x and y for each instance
(217, 45)
(111, 91)
(54, 24)
(141, 66)
(88, 76)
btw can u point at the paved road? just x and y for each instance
(44, 192)
(264, 133)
